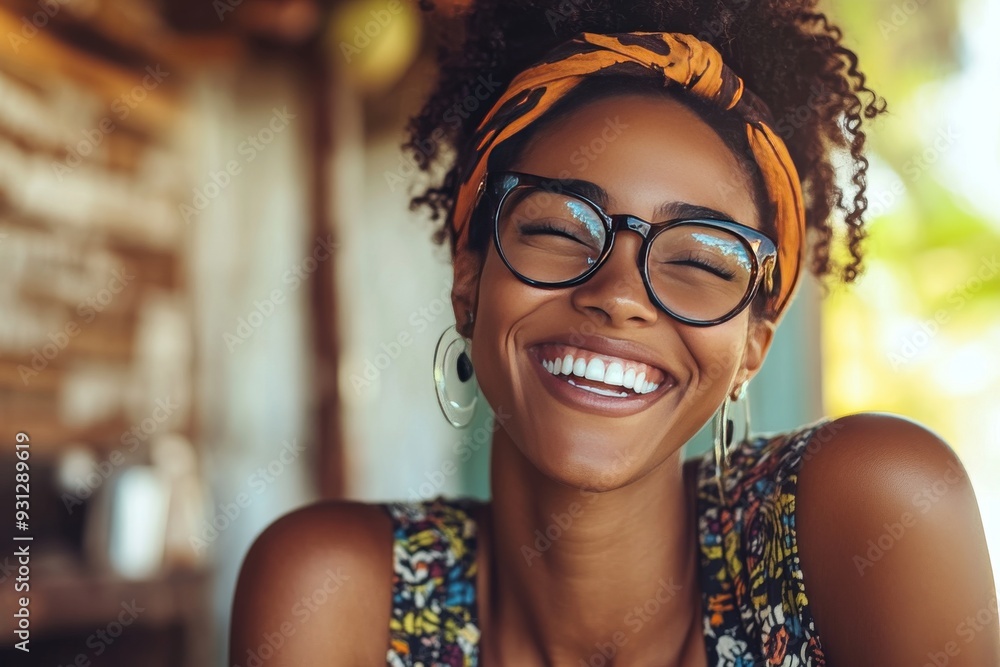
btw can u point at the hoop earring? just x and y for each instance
(454, 378)
(722, 435)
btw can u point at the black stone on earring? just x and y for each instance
(465, 369)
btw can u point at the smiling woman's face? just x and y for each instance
(570, 428)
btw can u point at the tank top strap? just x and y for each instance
(434, 615)
(753, 588)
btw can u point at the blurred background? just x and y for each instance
(216, 307)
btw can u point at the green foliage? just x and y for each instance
(910, 336)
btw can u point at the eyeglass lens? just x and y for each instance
(698, 271)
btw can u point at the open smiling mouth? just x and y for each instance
(601, 374)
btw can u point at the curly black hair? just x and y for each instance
(787, 52)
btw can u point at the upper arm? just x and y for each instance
(892, 548)
(316, 582)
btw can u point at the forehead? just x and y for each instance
(646, 152)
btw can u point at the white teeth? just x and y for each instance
(601, 391)
(595, 370)
(567, 364)
(614, 374)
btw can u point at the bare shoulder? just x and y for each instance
(892, 547)
(317, 581)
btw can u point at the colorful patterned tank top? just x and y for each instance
(756, 609)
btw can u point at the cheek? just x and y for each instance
(492, 302)
(502, 302)
(717, 353)
(505, 310)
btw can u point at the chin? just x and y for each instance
(588, 461)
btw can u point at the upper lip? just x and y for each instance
(612, 347)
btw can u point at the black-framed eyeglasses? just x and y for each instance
(699, 271)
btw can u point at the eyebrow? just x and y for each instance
(665, 211)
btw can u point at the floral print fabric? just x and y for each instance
(756, 609)
(433, 619)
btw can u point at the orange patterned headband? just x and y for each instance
(679, 58)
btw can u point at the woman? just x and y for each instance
(628, 216)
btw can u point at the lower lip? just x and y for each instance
(576, 397)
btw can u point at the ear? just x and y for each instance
(468, 266)
(759, 338)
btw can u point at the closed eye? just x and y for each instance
(549, 229)
(702, 263)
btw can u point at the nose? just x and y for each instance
(616, 292)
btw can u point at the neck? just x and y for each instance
(572, 575)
